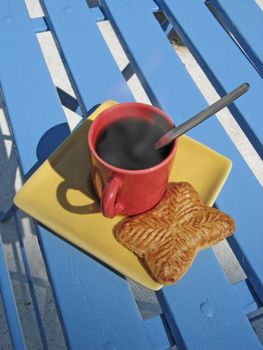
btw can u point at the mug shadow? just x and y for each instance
(72, 162)
(77, 209)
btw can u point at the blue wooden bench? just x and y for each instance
(202, 311)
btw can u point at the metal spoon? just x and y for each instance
(202, 116)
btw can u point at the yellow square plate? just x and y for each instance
(59, 195)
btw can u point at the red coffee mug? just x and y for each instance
(122, 191)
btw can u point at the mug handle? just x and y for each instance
(108, 202)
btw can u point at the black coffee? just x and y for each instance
(129, 144)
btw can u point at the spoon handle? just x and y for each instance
(202, 116)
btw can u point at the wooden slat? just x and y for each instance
(97, 14)
(243, 295)
(242, 195)
(202, 320)
(96, 304)
(80, 43)
(244, 21)
(156, 331)
(6, 291)
(39, 24)
(21, 49)
(221, 60)
(170, 86)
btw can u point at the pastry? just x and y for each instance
(169, 236)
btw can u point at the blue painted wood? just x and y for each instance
(74, 28)
(244, 21)
(209, 316)
(167, 27)
(8, 297)
(39, 24)
(97, 307)
(242, 190)
(75, 277)
(243, 295)
(156, 330)
(150, 4)
(97, 14)
(169, 86)
(96, 304)
(15, 29)
(221, 60)
(30, 282)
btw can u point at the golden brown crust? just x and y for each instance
(169, 236)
